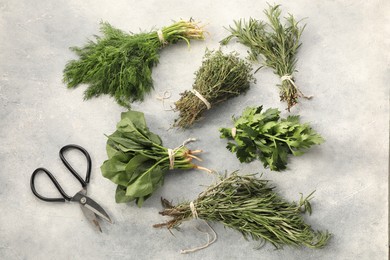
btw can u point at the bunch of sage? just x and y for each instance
(220, 77)
(120, 64)
(137, 159)
(276, 44)
(265, 136)
(251, 206)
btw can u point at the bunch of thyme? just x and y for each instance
(220, 77)
(120, 64)
(252, 207)
(277, 44)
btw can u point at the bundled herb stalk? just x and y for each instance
(137, 160)
(220, 77)
(120, 64)
(265, 136)
(252, 207)
(276, 44)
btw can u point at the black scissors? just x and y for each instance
(90, 208)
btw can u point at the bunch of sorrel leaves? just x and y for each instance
(120, 64)
(220, 77)
(137, 159)
(276, 44)
(251, 206)
(265, 136)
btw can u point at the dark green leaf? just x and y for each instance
(145, 184)
(120, 195)
(115, 170)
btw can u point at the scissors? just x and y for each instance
(90, 208)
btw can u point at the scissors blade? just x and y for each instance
(88, 203)
(91, 217)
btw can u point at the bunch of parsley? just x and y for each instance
(265, 136)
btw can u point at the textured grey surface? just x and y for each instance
(344, 63)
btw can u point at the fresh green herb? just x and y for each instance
(277, 44)
(252, 207)
(137, 160)
(220, 77)
(120, 64)
(262, 135)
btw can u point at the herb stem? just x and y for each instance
(276, 138)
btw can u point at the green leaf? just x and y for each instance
(148, 182)
(225, 132)
(120, 195)
(249, 131)
(115, 170)
(111, 151)
(130, 130)
(126, 144)
(268, 126)
(271, 114)
(136, 117)
(135, 162)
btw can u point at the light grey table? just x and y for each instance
(343, 63)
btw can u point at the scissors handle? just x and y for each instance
(82, 181)
(59, 188)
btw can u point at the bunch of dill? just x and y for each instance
(120, 64)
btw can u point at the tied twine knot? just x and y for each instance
(289, 78)
(193, 210)
(204, 100)
(209, 240)
(172, 152)
(234, 132)
(161, 37)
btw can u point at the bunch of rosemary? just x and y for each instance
(137, 160)
(252, 207)
(277, 44)
(120, 64)
(263, 135)
(220, 77)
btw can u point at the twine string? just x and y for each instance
(234, 132)
(171, 159)
(172, 152)
(162, 96)
(204, 100)
(161, 37)
(209, 239)
(193, 210)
